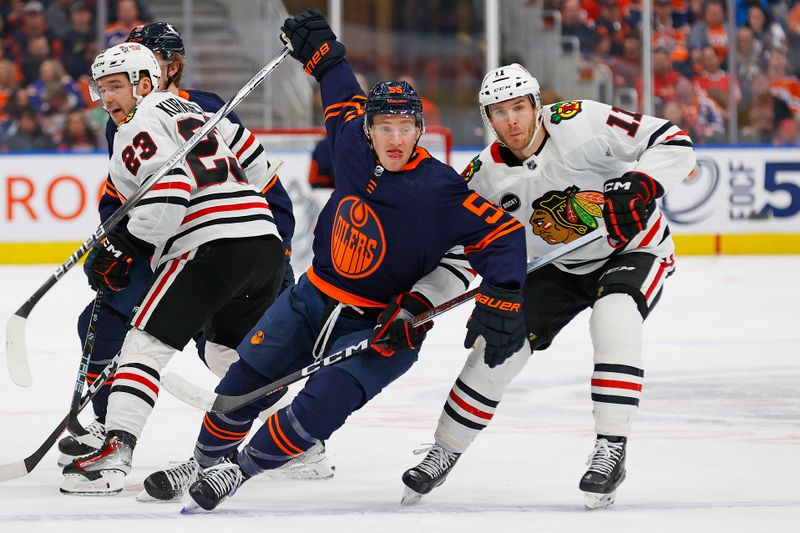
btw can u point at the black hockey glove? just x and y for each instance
(629, 201)
(498, 318)
(288, 273)
(108, 264)
(313, 42)
(394, 330)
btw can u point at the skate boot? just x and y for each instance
(103, 471)
(214, 486)
(171, 483)
(606, 472)
(312, 464)
(71, 447)
(429, 474)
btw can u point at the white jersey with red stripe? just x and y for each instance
(558, 191)
(214, 193)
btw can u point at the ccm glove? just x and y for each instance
(498, 318)
(108, 264)
(313, 42)
(629, 201)
(395, 331)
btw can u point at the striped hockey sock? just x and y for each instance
(280, 439)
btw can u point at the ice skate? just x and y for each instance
(71, 447)
(171, 483)
(606, 472)
(214, 486)
(102, 472)
(427, 475)
(312, 464)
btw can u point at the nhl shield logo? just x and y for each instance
(357, 244)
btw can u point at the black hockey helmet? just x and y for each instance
(158, 37)
(393, 98)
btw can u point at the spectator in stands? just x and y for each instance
(665, 78)
(611, 23)
(782, 84)
(787, 133)
(627, 68)
(673, 112)
(749, 62)
(767, 33)
(52, 76)
(57, 17)
(38, 51)
(25, 135)
(33, 27)
(703, 115)
(8, 83)
(669, 35)
(793, 37)
(127, 19)
(714, 81)
(79, 43)
(711, 30)
(574, 25)
(77, 135)
(762, 124)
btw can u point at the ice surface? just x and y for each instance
(715, 448)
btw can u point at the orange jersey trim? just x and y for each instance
(339, 294)
(183, 94)
(505, 229)
(419, 155)
(270, 184)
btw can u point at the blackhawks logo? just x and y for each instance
(563, 216)
(472, 168)
(565, 111)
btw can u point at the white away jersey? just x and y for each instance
(214, 193)
(558, 192)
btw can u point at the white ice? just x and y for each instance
(715, 448)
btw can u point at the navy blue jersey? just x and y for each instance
(276, 195)
(320, 175)
(381, 231)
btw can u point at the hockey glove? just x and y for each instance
(498, 318)
(629, 201)
(394, 330)
(288, 273)
(108, 264)
(313, 42)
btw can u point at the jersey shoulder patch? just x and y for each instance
(473, 167)
(565, 110)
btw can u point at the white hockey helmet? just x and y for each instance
(129, 58)
(506, 83)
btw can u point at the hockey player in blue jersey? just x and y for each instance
(380, 257)
(116, 307)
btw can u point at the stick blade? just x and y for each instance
(188, 392)
(16, 352)
(13, 470)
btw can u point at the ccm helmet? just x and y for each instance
(506, 83)
(128, 58)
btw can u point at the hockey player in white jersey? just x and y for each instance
(565, 170)
(214, 247)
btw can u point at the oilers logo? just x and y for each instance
(357, 244)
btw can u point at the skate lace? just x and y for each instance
(604, 456)
(96, 429)
(437, 461)
(224, 479)
(182, 474)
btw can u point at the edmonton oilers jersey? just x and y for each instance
(381, 231)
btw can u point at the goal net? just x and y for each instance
(294, 147)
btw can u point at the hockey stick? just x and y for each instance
(221, 403)
(16, 351)
(25, 466)
(73, 426)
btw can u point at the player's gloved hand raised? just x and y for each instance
(629, 201)
(108, 264)
(313, 42)
(498, 318)
(288, 273)
(394, 330)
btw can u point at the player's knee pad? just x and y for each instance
(616, 330)
(327, 399)
(140, 346)
(491, 382)
(219, 358)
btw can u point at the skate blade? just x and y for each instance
(110, 483)
(302, 472)
(144, 497)
(410, 497)
(594, 501)
(191, 507)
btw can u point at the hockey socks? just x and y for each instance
(280, 439)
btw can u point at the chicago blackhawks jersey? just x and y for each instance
(214, 193)
(557, 193)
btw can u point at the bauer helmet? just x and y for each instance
(128, 58)
(393, 98)
(159, 37)
(505, 83)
